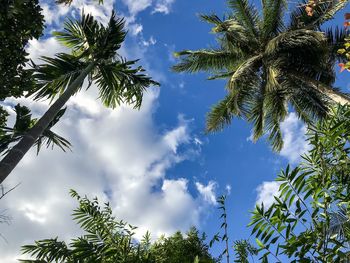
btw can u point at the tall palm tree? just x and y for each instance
(270, 64)
(94, 57)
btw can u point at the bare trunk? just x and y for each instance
(13, 157)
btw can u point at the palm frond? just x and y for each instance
(296, 39)
(80, 35)
(205, 60)
(273, 12)
(50, 138)
(244, 72)
(212, 19)
(110, 38)
(246, 14)
(47, 250)
(336, 40)
(118, 82)
(220, 115)
(323, 12)
(56, 74)
(24, 123)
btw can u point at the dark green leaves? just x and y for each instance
(22, 125)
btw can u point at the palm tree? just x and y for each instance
(270, 64)
(94, 57)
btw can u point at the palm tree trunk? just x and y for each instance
(13, 157)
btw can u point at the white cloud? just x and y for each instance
(163, 6)
(135, 29)
(137, 6)
(294, 138)
(150, 42)
(266, 192)
(207, 191)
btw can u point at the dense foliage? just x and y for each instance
(20, 21)
(270, 64)
(107, 240)
(310, 218)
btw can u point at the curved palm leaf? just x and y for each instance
(273, 12)
(203, 60)
(247, 15)
(118, 83)
(23, 124)
(323, 12)
(56, 75)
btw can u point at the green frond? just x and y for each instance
(24, 122)
(80, 35)
(336, 39)
(296, 39)
(119, 83)
(205, 60)
(47, 250)
(52, 139)
(246, 14)
(220, 115)
(273, 15)
(212, 19)
(324, 11)
(110, 38)
(56, 74)
(243, 250)
(90, 39)
(245, 71)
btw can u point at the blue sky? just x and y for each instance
(157, 167)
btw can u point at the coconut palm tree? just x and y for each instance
(270, 64)
(94, 57)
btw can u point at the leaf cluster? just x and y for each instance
(106, 239)
(309, 219)
(24, 122)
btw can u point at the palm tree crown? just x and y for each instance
(269, 64)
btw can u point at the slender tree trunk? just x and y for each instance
(13, 157)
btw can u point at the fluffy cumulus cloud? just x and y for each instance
(120, 156)
(294, 138)
(266, 192)
(207, 191)
(158, 6)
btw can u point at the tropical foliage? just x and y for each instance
(107, 240)
(24, 123)
(309, 220)
(20, 21)
(270, 64)
(94, 57)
